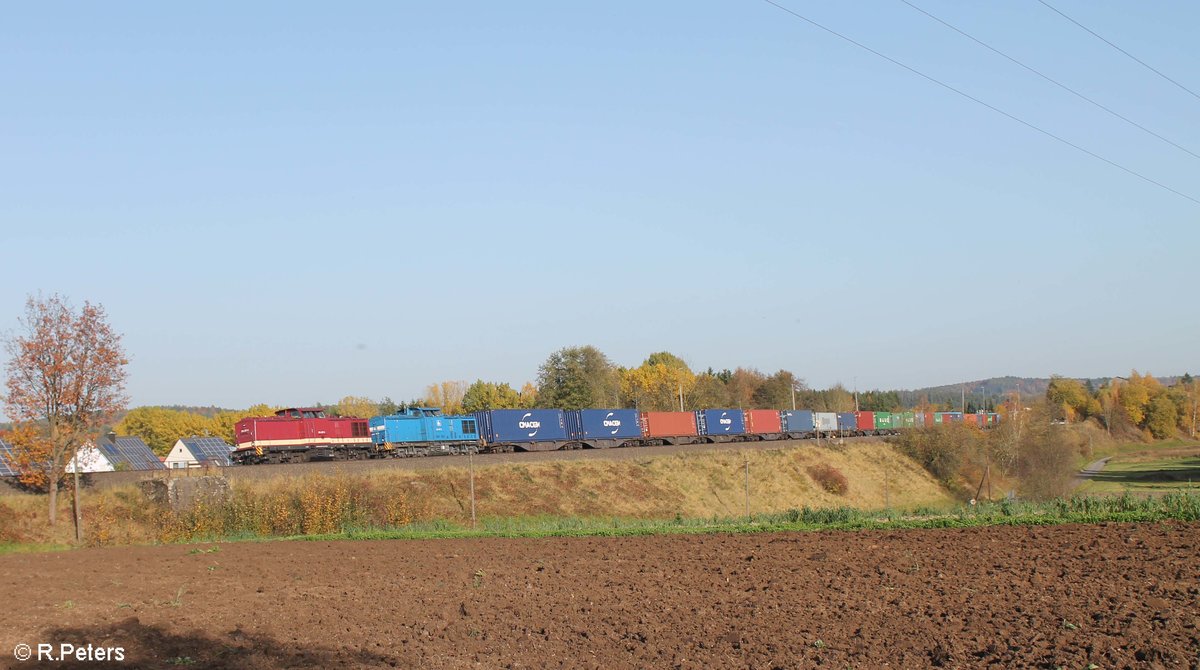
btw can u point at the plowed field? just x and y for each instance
(1112, 595)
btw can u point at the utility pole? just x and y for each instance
(680, 397)
(747, 464)
(471, 467)
(794, 405)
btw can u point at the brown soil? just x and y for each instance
(1113, 595)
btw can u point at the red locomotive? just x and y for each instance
(301, 434)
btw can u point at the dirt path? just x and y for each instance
(1112, 595)
(1090, 470)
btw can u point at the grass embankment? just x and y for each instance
(789, 489)
(693, 485)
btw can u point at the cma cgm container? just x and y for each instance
(826, 421)
(603, 427)
(866, 421)
(525, 429)
(669, 427)
(884, 421)
(720, 422)
(847, 422)
(763, 421)
(798, 421)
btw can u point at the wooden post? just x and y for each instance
(747, 463)
(471, 466)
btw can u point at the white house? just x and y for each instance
(91, 459)
(197, 452)
(113, 453)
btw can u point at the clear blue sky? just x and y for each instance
(293, 202)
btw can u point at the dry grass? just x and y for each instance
(690, 485)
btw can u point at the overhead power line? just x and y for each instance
(1139, 60)
(1052, 80)
(972, 98)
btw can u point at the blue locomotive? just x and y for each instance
(424, 431)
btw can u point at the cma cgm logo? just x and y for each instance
(610, 422)
(526, 425)
(726, 421)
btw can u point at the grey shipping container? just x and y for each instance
(827, 422)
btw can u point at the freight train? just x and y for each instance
(307, 434)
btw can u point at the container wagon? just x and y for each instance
(798, 424)
(721, 425)
(604, 428)
(847, 423)
(764, 424)
(669, 428)
(827, 423)
(522, 429)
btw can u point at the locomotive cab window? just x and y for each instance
(468, 426)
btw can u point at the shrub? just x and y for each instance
(829, 478)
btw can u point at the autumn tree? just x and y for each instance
(66, 373)
(708, 392)
(448, 395)
(528, 396)
(387, 406)
(777, 391)
(31, 457)
(1162, 416)
(357, 406)
(578, 378)
(742, 385)
(658, 383)
(160, 427)
(481, 396)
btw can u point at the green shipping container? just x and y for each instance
(908, 420)
(937, 418)
(883, 421)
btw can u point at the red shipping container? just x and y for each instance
(763, 421)
(668, 424)
(929, 420)
(972, 419)
(865, 420)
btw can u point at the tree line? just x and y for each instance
(1138, 403)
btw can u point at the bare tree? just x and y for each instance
(66, 376)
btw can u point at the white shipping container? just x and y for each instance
(826, 421)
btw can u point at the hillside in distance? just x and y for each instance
(994, 390)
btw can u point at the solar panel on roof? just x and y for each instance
(130, 453)
(209, 449)
(5, 454)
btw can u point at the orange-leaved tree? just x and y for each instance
(66, 377)
(30, 457)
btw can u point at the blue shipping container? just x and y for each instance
(847, 421)
(720, 422)
(798, 421)
(603, 424)
(498, 426)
